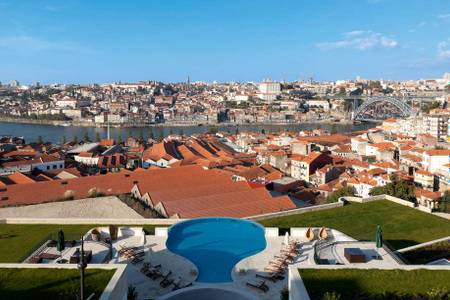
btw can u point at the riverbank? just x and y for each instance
(166, 124)
(58, 134)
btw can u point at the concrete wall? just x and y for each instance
(424, 244)
(297, 290)
(378, 198)
(296, 211)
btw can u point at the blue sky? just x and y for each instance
(243, 40)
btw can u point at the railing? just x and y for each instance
(38, 248)
(394, 253)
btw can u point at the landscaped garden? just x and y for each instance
(376, 284)
(17, 241)
(47, 284)
(402, 226)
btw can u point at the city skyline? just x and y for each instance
(81, 42)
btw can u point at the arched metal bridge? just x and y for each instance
(404, 110)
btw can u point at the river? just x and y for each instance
(56, 134)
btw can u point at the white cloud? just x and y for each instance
(361, 40)
(444, 16)
(444, 49)
(418, 26)
(25, 43)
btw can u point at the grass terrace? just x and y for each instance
(428, 253)
(51, 283)
(402, 226)
(17, 241)
(376, 284)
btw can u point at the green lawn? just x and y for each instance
(376, 284)
(50, 284)
(19, 240)
(402, 226)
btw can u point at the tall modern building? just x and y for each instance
(15, 83)
(269, 90)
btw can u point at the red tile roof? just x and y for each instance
(188, 191)
(19, 178)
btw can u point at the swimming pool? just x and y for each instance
(215, 245)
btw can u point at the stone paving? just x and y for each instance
(156, 253)
(92, 208)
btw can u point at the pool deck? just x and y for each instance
(156, 253)
(245, 271)
(242, 273)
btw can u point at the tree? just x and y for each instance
(430, 106)
(444, 205)
(357, 92)
(263, 131)
(97, 137)
(75, 139)
(86, 137)
(396, 188)
(119, 140)
(375, 85)
(345, 191)
(333, 129)
(160, 136)
(40, 140)
(342, 92)
(236, 131)
(213, 129)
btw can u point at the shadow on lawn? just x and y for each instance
(50, 290)
(7, 236)
(400, 244)
(348, 289)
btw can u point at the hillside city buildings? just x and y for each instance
(151, 102)
(213, 188)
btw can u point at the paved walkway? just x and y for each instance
(155, 253)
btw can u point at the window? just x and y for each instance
(55, 166)
(48, 167)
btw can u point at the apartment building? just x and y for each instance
(436, 125)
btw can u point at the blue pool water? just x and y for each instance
(215, 245)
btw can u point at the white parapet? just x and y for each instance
(298, 231)
(271, 231)
(161, 231)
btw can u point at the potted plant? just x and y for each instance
(95, 235)
(113, 232)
